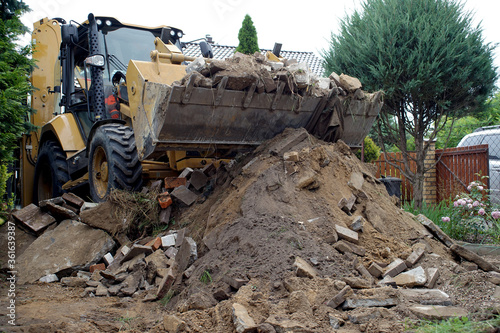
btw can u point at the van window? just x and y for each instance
(493, 142)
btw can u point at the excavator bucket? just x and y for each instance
(186, 117)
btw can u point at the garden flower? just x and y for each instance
(480, 188)
(495, 214)
(469, 188)
(445, 219)
(475, 203)
(469, 200)
(481, 211)
(462, 202)
(470, 206)
(455, 204)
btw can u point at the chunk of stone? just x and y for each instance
(172, 324)
(387, 281)
(165, 283)
(435, 230)
(357, 224)
(235, 283)
(292, 156)
(340, 297)
(369, 303)
(358, 283)
(471, 256)
(414, 257)
(74, 282)
(108, 258)
(394, 268)
(303, 269)
(49, 278)
(291, 141)
(437, 312)
(184, 195)
(411, 278)
(101, 290)
(73, 199)
(136, 250)
(364, 272)
(70, 246)
(347, 234)
(33, 219)
(198, 179)
(171, 252)
(60, 212)
(349, 83)
(357, 180)
(494, 277)
(168, 240)
(243, 323)
(432, 277)
(426, 296)
(375, 270)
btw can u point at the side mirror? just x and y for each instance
(206, 50)
(69, 34)
(96, 60)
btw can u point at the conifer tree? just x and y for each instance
(247, 37)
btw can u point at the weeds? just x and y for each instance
(164, 301)
(455, 325)
(205, 277)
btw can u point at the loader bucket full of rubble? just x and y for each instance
(240, 102)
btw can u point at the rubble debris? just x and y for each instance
(49, 278)
(438, 312)
(347, 234)
(432, 277)
(33, 219)
(411, 278)
(243, 323)
(471, 256)
(340, 297)
(184, 195)
(97, 267)
(414, 257)
(303, 269)
(72, 245)
(164, 200)
(394, 268)
(426, 296)
(173, 182)
(435, 230)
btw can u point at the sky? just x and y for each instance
(298, 25)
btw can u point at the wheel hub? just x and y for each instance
(100, 172)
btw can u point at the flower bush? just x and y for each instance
(472, 217)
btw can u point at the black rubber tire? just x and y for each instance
(51, 172)
(124, 170)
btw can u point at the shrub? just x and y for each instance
(372, 151)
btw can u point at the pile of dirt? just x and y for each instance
(297, 236)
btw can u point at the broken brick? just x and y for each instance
(198, 179)
(209, 170)
(173, 182)
(155, 243)
(184, 195)
(33, 219)
(375, 270)
(164, 200)
(347, 234)
(97, 267)
(73, 199)
(339, 298)
(395, 267)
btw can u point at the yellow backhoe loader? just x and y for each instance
(109, 115)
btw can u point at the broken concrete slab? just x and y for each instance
(291, 141)
(411, 278)
(71, 245)
(349, 83)
(184, 195)
(345, 246)
(235, 283)
(364, 272)
(435, 230)
(33, 219)
(394, 268)
(180, 237)
(471, 256)
(363, 315)
(437, 312)
(165, 283)
(375, 270)
(168, 240)
(414, 257)
(243, 323)
(164, 217)
(73, 200)
(358, 283)
(347, 234)
(357, 180)
(198, 179)
(432, 277)
(49, 278)
(136, 250)
(303, 269)
(353, 303)
(74, 282)
(292, 156)
(426, 296)
(61, 213)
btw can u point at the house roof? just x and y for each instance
(224, 51)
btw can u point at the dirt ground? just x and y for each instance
(263, 213)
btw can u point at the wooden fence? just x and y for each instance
(455, 169)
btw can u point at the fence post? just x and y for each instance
(430, 190)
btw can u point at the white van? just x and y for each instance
(489, 135)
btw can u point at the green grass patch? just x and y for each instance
(455, 325)
(205, 277)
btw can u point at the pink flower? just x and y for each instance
(475, 203)
(445, 219)
(480, 188)
(481, 211)
(469, 188)
(495, 214)
(455, 204)
(462, 202)
(469, 200)
(470, 206)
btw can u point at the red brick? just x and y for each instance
(173, 182)
(165, 200)
(155, 243)
(97, 267)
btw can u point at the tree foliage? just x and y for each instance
(429, 60)
(15, 67)
(371, 150)
(247, 37)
